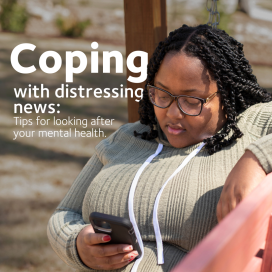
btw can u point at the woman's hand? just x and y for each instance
(102, 257)
(243, 178)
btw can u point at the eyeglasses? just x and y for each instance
(189, 105)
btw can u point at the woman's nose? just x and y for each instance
(174, 112)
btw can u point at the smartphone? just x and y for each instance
(120, 229)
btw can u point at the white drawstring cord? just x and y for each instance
(130, 205)
(155, 211)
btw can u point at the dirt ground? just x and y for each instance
(35, 173)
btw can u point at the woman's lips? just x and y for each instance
(174, 130)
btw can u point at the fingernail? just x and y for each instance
(131, 259)
(106, 238)
(129, 248)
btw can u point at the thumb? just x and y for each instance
(92, 238)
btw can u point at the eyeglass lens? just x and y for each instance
(162, 99)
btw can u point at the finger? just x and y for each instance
(96, 238)
(239, 198)
(219, 210)
(231, 204)
(228, 201)
(240, 195)
(109, 250)
(117, 266)
(117, 259)
(224, 210)
(112, 267)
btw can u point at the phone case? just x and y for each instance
(120, 229)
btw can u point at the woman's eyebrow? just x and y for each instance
(159, 83)
(191, 90)
(185, 91)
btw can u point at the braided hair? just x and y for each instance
(224, 58)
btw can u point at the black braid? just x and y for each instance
(224, 58)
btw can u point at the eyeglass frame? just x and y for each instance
(175, 97)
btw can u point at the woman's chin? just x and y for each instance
(177, 143)
(181, 142)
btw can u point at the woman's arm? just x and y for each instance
(244, 177)
(66, 222)
(74, 241)
(249, 171)
(254, 165)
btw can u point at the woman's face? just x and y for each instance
(180, 74)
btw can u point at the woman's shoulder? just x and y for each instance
(255, 112)
(259, 107)
(257, 118)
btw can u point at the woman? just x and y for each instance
(200, 89)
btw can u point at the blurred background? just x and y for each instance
(36, 173)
